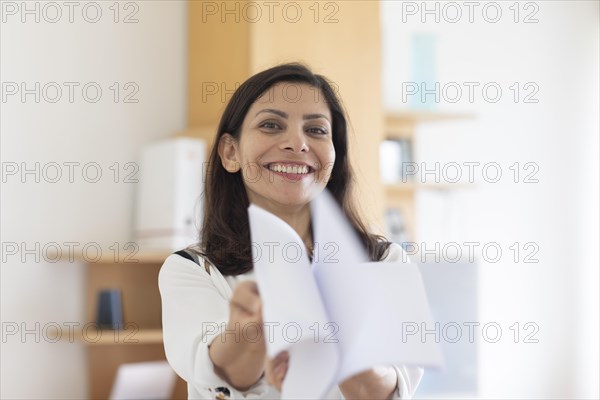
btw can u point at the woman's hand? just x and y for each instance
(245, 315)
(276, 369)
(375, 383)
(239, 354)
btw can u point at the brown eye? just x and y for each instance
(317, 130)
(270, 125)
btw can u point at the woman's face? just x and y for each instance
(285, 150)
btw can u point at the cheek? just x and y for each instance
(328, 161)
(251, 173)
(250, 159)
(247, 153)
(254, 147)
(325, 175)
(332, 155)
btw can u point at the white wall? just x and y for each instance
(559, 214)
(150, 53)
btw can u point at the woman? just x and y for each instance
(281, 141)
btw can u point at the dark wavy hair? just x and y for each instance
(225, 233)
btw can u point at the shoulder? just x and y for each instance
(178, 269)
(396, 254)
(178, 273)
(177, 263)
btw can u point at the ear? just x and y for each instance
(228, 151)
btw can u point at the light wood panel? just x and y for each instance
(218, 54)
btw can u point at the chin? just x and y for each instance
(293, 202)
(290, 199)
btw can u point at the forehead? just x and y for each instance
(290, 97)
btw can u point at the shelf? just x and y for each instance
(425, 116)
(141, 339)
(94, 337)
(400, 124)
(108, 256)
(123, 337)
(409, 187)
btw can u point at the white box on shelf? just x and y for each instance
(395, 161)
(169, 204)
(390, 161)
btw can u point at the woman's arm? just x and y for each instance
(239, 352)
(195, 317)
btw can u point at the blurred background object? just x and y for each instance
(452, 294)
(169, 201)
(110, 309)
(150, 380)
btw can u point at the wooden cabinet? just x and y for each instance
(141, 338)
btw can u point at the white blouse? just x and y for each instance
(195, 309)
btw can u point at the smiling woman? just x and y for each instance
(282, 140)
(290, 148)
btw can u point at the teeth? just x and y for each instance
(289, 169)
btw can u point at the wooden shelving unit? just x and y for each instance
(141, 338)
(409, 187)
(401, 195)
(401, 125)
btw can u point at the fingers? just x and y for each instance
(276, 369)
(245, 316)
(280, 370)
(248, 285)
(246, 298)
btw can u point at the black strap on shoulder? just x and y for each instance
(193, 258)
(187, 255)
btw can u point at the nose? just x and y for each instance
(295, 141)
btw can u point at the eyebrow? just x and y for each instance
(285, 115)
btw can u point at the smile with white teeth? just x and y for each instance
(289, 169)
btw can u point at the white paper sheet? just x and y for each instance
(350, 315)
(376, 307)
(334, 238)
(292, 307)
